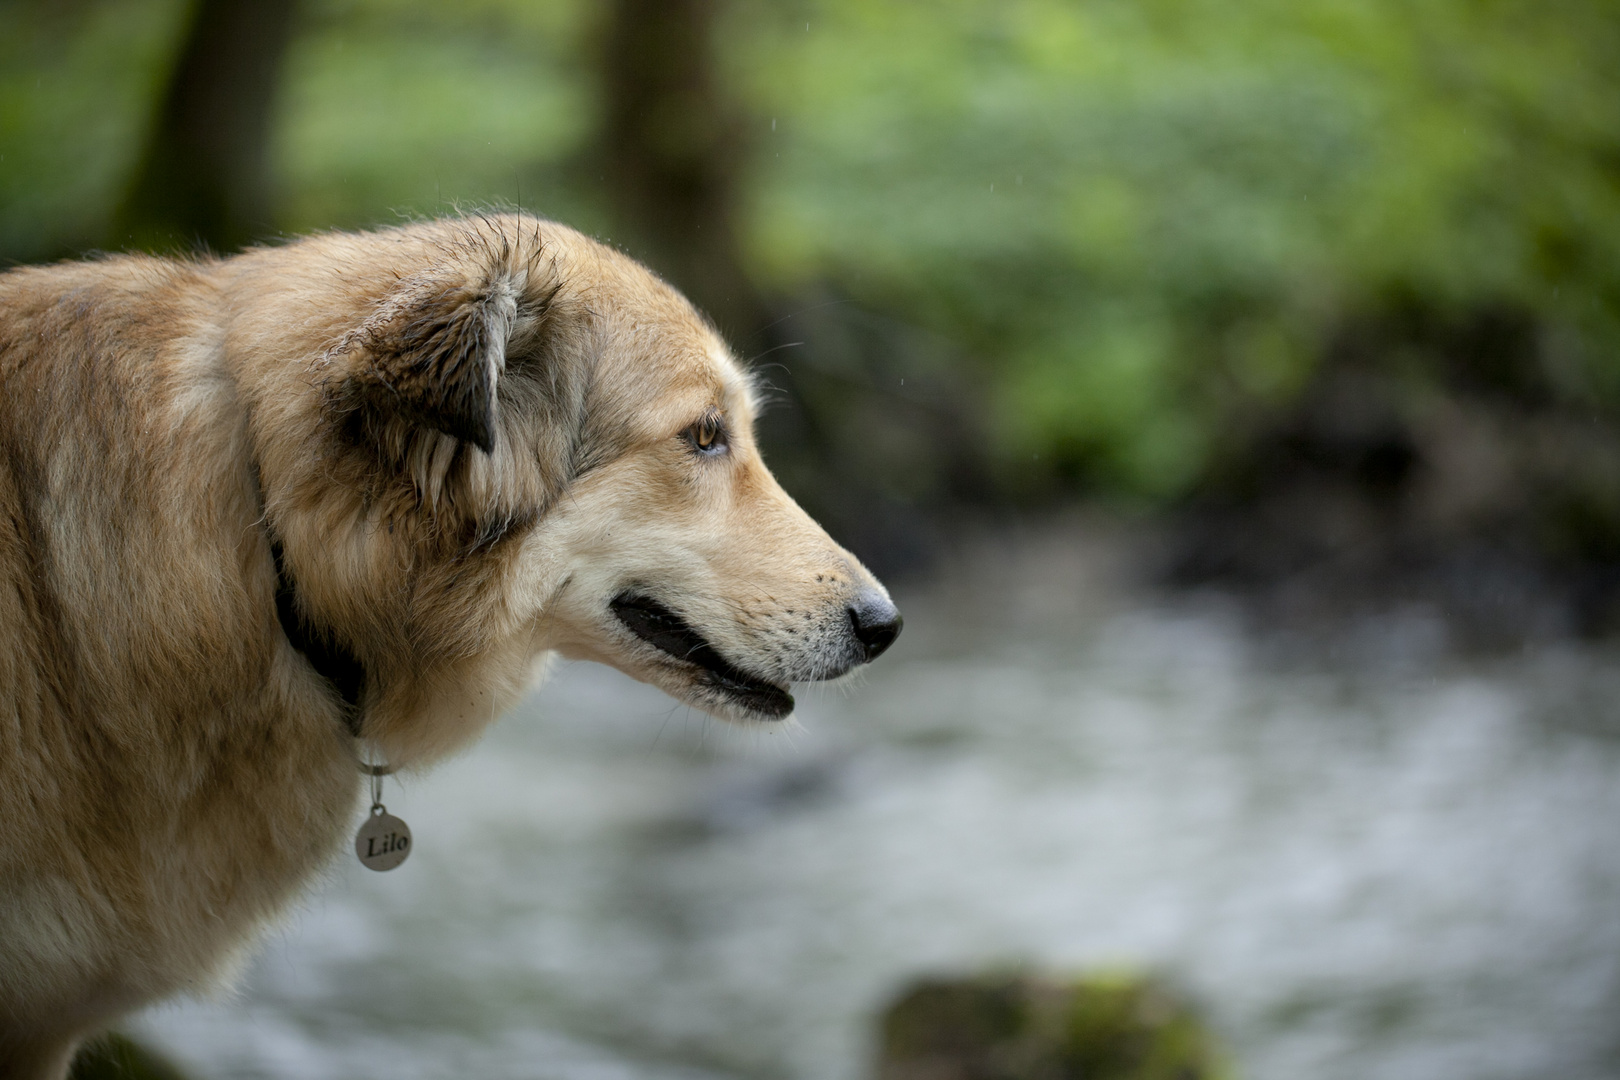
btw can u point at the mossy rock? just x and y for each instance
(1023, 1028)
(118, 1057)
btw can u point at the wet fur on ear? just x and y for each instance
(463, 354)
(436, 352)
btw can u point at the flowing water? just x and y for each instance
(1365, 857)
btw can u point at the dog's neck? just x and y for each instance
(330, 659)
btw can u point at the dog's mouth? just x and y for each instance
(666, 631)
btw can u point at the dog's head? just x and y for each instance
(526, 442)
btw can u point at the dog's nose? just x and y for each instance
(876, 622)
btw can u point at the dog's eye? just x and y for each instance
(708, 435)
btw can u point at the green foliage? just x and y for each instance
(1144, 220)
(1114, 1027)
(78, 82)
(389, 109)
(118, 1057)
(408, 107)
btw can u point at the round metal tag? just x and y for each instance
(383, 841)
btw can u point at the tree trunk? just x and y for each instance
(673, 157)
(203, 179)
(673, 150)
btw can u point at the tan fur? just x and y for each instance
(172, 769)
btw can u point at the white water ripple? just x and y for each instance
(1362, 870)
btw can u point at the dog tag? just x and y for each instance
(383, 841)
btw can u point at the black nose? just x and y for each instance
(876, 622)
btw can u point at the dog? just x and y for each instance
(265, 517)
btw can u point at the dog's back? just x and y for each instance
(136, 656)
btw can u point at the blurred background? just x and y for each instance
(1231, 393)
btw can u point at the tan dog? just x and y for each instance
(258, 512)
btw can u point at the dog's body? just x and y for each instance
(454, 448)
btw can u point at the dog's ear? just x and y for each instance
(435, 352)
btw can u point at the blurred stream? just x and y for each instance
(1366, 857)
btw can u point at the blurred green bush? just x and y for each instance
(1143, 226)
(1147, 219)
(1012, 1027)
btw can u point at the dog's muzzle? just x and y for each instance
(876, 622)
(666, 631)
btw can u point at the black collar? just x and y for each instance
(331, 660)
